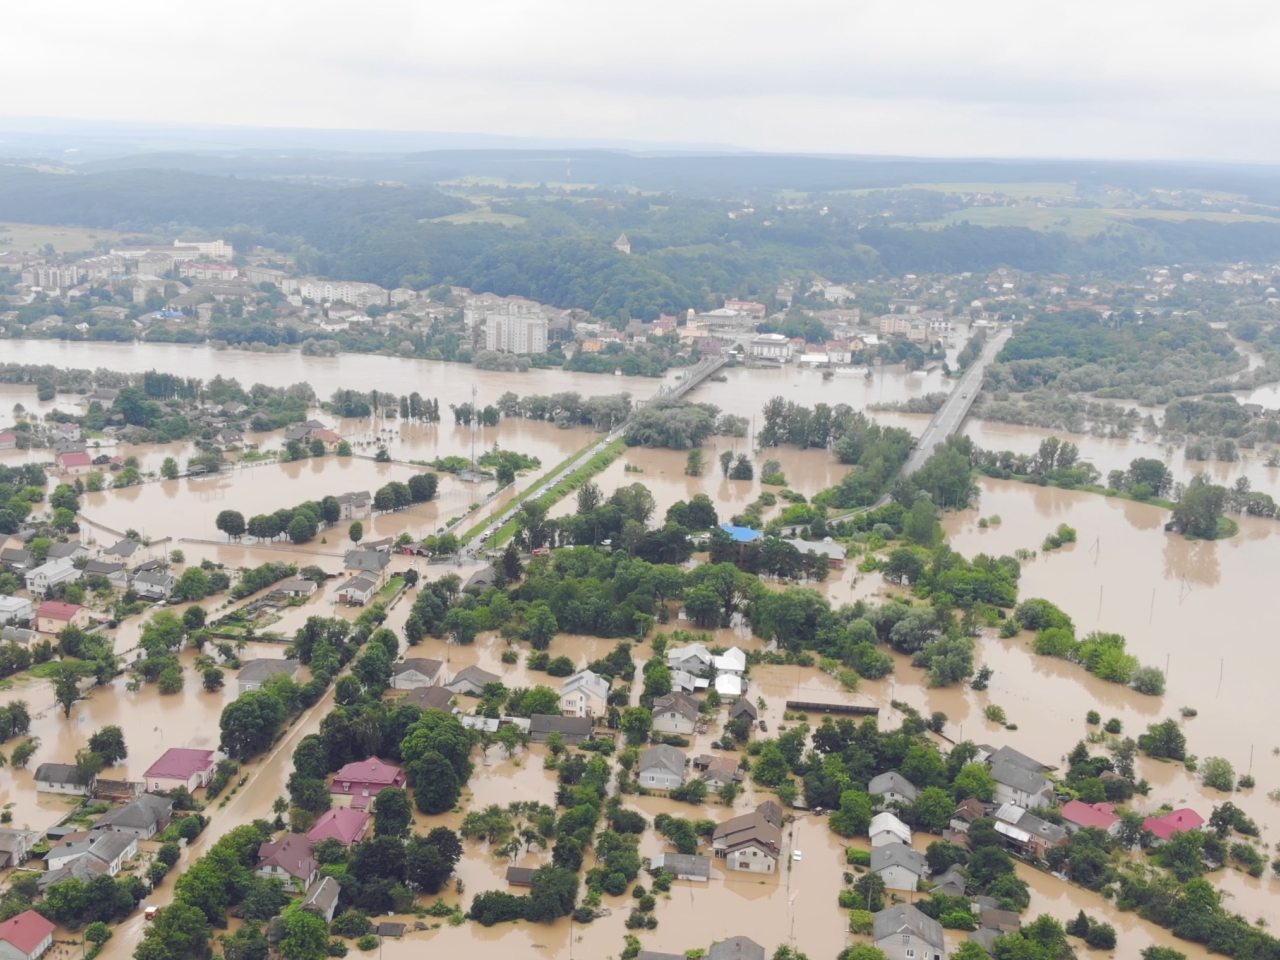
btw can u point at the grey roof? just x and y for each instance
(574, 726)
(652, 955)
(17, 634)
(256, 671)
(155, 578)
(59, 550)
(771, 810)
(110, 845)
(743, 707)
(680, 703)
(367, 560)
(104, 567)
(84, 869)
(952, 882)
(358, 584)
(56, 773)
(124, 548)
(429, 698)
(904, 916)
(474, 675)
(899, 855)
(683, 864)
(423, 665)
(390, 929)
(1010, 755)
(1050, 832)
(144, 812)
(1019, 778)
(893, 782)
(830, 550)
(669, 758)
(592, 682)
(736, 948)
(520, 876)
(322, 894)
(985, 937)
(481, 579)
(15, 556)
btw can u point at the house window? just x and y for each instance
(906, 938)
(910, 954)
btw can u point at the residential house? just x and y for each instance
(733, 663)
(25, 937)
(18, 635)
(295, 588)
(885, 828)
(675, 713)
(661, 767)
(181, 767)
(585, 694)
(115, 573)
(142, 817)
(833, 551)
(370, 562)
(354, 505)
(694, 658)
(1027, 833)
(154, 584)
(8, 441)
(1179, 821)
(84, 869)
(343, 824)
(990, 756)
(481, 580)
(683, 866)
(520, 876)
(744, 709)
(1018, 785)
(17, 558)
(365, 779)
(622, 244)
(902, 932)
(721, 770)
(430, 698)
(290, 860)
(899, 866)
(952, 882)
(573, 730)
(74, 464)
(60, 778)
(15, 608)
(70, 550)
(685, 682)
(893, 787)
(54, 616)
(257, 672)
(750, 842)
(125, 551)
(736, 948)
(322, 898)
(357, 591)
(1100, 816)
(729, 686)
(416, 672)
(965, 813)
(15, 845)
(110, 848)
(471, 680)
(50, 574)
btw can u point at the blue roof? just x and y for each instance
(741, 534)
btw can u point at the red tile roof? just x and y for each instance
(26, 931)
(1180, 821)
(341, 823)
(57, 610)
(1100, 815)
(179, 763)
(372, 770)
(75, 459)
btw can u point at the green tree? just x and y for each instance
(854, 816)
(97, 933)
(431, 859)
(231, 522)
(169, 468)
(355, 532)
(540, 625)
(932, 809)
(305, 935)
(975, 781)
(301, 529)
(178, 932)
(436, 788)
(109, 744)
(1202, 504)
(392, 814)
(694, 464)
(636, 724)
(249, 723)
(66, 686)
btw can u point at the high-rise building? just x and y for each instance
(522, 333)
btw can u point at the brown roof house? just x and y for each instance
(290, 860)
(749, 842)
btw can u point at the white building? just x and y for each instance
(15, 608)
(585, 694)
(771, 346)
(661, 768)
(346, 291)
(885, 828)
(218, 249)
(51, 574)
(516, 334)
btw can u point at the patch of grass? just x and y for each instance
(34, 236)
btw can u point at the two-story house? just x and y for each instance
(585, 694)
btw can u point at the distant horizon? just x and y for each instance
(139, 136)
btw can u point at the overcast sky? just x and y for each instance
(1097, 78)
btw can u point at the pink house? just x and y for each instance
(366, 779)
(1180, 821)
(1100, 816)
(180, 767)
(340, 823)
